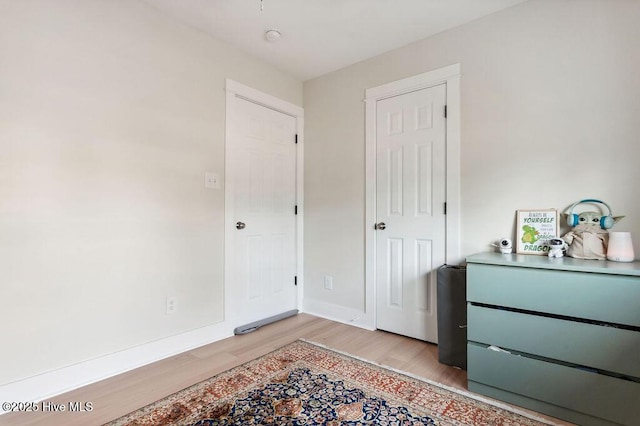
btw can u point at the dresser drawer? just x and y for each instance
(595, 346)
(593, 394)
(600, 297)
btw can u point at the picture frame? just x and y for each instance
(534, 228)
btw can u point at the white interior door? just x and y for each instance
(410, 194)
(263, 170)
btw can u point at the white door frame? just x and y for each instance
(235, 91)
(450, 76)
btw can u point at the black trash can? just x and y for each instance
(452, 316)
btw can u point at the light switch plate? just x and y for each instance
(211, 180)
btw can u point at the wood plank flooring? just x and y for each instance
(127, 392)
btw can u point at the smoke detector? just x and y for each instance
(272, 35)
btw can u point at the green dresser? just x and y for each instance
(558, 336)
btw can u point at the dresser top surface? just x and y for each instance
(562, 263)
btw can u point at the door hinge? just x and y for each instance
(295, 210)
(295, 280)
(296, 138)
(445, 111)
(445, 208)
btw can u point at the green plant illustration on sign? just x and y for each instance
(531, 234)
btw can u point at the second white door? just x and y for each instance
(411, 196)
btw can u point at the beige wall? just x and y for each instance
(550, 100)
(110, 114)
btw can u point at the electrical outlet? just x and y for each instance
(328, 282)
(172, 305)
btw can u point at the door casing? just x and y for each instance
(235, 90)
(450, 76)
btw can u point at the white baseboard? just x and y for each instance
(56, 382)
(338, 313)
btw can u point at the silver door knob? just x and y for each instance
(240, 225)
(380, 226)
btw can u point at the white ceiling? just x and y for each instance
(320, 36)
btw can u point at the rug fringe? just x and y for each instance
(441, 385)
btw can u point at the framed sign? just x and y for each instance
(534, 228)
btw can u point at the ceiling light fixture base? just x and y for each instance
(272, 35)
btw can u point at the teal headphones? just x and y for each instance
(606, 222)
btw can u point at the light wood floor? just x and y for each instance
(127, 392)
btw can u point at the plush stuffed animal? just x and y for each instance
(588, 239)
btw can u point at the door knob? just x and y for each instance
(240, 225)
(380, 226)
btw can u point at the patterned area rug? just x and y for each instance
(306, 384)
